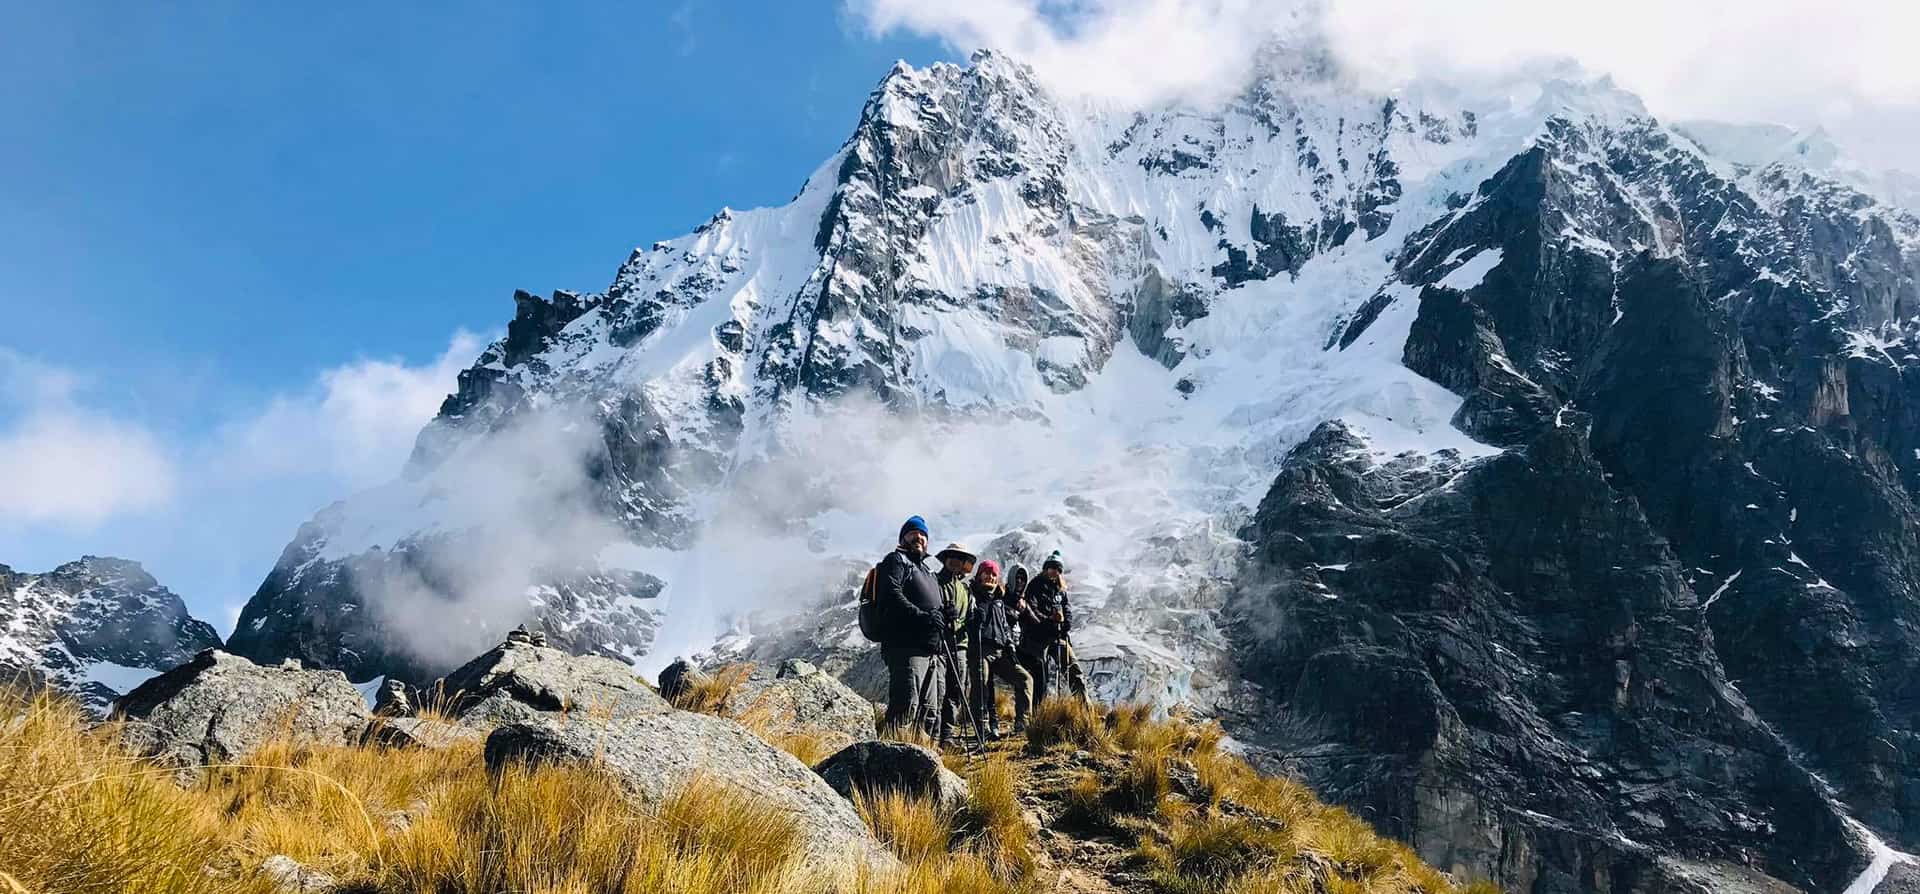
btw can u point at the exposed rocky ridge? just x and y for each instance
(94, 628)
(1524, 660)
(1702, 361)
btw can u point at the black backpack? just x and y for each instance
(870, 622)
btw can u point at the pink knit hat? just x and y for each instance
(986, 566)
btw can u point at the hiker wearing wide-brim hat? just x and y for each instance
(962, 617)
(956, 551)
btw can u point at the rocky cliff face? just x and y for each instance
(1589, 560)
(94, 628)
(1674, 616)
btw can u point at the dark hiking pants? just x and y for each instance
(915, 685)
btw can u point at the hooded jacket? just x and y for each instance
(996, 617)
(1038, 629)
(909, 605)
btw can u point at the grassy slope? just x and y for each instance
(1094, 800)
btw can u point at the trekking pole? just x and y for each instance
(953, 667)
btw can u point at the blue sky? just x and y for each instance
(225, 226)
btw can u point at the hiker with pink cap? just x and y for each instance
(993, 653)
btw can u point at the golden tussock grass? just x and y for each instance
(80, 815)
(709, 693)
(997, 823)
(1068, 722)
(810, 748)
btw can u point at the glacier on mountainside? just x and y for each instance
(1040, 322)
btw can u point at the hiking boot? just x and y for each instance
(1020, 726)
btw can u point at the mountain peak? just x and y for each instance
(95, 627)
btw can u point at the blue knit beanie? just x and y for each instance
(1054, 561)
(915, 523)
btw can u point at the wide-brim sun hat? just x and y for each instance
(955, 549)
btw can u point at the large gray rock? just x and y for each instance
(876, 766)
(519, 680)
(653, 755)
(801, 700)
(221, 707)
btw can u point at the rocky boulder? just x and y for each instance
(875, 767)
(653, 755)
(394, 700)
(221, 707)
(520, 680)
(799, 699)
(680, 677)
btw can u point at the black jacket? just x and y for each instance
(909, 605)
(1038, 630)
(996, 617)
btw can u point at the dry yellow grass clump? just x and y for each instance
(708, 694)
(1229, 828)
(81, 815)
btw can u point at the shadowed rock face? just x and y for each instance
(1676, 618)
(873, 768)
(1462, 652)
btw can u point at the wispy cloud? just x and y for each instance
(62, 463)
(1847, 66)
(65, 460)
(354, 425)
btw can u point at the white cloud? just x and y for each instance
(61, 463)
(355, 425)
(65, 462)
(1846, 66)
(1130, 50)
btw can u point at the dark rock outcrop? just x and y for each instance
(679, 678)
(876, 767)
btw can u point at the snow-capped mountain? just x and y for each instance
(94, 628)
(1509, 465)
(1758, 147)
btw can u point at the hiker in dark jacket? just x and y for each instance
(913, 629)
(993, 651)
(1045, 620)
(956, 563)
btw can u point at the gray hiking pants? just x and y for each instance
(915, 689)
(999, 662)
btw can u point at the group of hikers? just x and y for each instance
(948, 635)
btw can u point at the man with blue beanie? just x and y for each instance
(914, 623)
